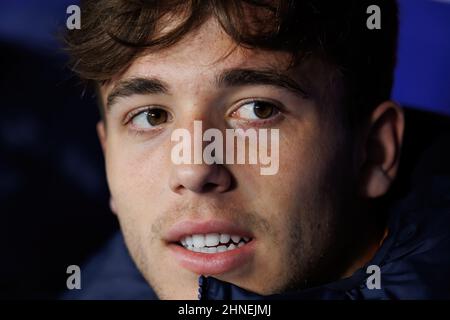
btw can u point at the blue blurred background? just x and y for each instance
(51, 169)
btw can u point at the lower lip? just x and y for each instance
(212, 263)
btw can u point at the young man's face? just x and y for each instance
(294, 219)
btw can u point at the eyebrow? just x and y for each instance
(136, 86)
(228, 78)
(242, 77)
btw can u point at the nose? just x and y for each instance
(200, 178)
(192, 176)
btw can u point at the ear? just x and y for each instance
(101, 132)
(381, 149)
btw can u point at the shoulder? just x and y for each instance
(111, 274)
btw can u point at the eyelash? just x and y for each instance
(134, 113)
(261, 122)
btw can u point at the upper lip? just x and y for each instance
(185, 228)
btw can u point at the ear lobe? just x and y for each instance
(382, 149)
(377, 184)
(101, 133)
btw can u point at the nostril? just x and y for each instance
(200, 178)
(208, 187)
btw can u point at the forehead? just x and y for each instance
(201, 55)
(202, 52)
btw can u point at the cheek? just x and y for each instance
(135, 173)
(300, 195)
(303, 163)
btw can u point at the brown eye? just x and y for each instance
(147, 119)
(262, 109)
(156, 117)
(256, 110)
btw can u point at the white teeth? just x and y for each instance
(189, 241)
(235, 238)
(209, 243)
(198, 240)
(224, 238)
(221, 248)
(212, 250)
(212, 239)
